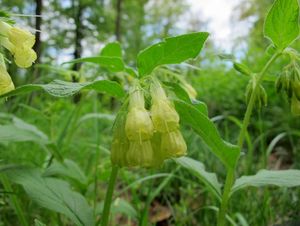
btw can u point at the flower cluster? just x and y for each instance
(19, 43)
(146, 138)
(289, 82)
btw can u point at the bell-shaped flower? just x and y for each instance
(173, 144)
(164, 116)
(21, 38)
(24, 57)
(140, 154)
(139, 126)
(6, 84)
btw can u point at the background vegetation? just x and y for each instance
(81, 126)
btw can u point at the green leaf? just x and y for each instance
(114, 64)
(68, 168)
(282, 24)
(172, 50)
(112, 49)
(60, 88)
(198, 168)
(280, 178)
(54, 194)
(204, 127)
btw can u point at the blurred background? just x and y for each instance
(69, 29)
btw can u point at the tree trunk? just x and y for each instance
(78, 34)
(118, 20)
(38, 24)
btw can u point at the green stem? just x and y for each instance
(109, 195)
(230, 172)
(251, 103)
(225, 198)
(14, 201)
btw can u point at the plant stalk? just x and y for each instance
(109, 195)
(225, 197)
(230, 172)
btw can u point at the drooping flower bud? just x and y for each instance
(164, 116)
(140, 154)
(173, 144)
(120, 143)
(139, 126)
(6, 84)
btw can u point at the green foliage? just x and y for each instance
(210, 179)
(53, 194)
(282, 23)
(227, 153)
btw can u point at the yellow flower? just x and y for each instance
(173, 144)
(164, 116)
(24, 57)
(138, 125)
(140, 154)
(21, 38)
(6, 84)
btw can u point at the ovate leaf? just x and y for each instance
(54, 194)
(204, 127)
(198, 168)
(282, 24)
(280, 178)
(172, 50)
(60, 88)
(112, 49)
(113, 64)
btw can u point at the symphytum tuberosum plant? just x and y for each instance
(146, 131)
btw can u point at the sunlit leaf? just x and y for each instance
(172, 50)
(204, 127)
(282, 23)
(112, 49)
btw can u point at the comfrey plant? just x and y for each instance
(146, 131)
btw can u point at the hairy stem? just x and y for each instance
(109, 195)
